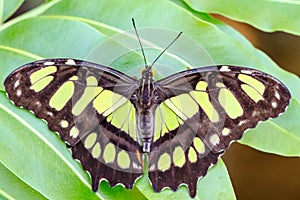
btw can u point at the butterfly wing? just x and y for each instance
(202, 111)
(88, 105)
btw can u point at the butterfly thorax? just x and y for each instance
(144, 100)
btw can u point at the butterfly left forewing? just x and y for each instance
(86, 104)
(202, 111)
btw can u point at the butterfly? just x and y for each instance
(117, 126)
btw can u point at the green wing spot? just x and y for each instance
(115, 104)
(109, 118)
(74, 78)
(90, 140)
(169, 113)
(64, 123)
(178, 105)
(225, 131)
(41, 84)
(201, 86)
(39, 74)
(192, 155)
(172, 106)
(123, 159)
(120, 116)
(256, 84)
(220, 85)
(109, 153)
(107, 102)
(89, 94)
(131, 122)
(91, 81)
(124, 118)
(180, 121)
(62, 95)
(74, 132)
(164, 162)
(214, 139)
(158, 124)
(170, 117)
(178, 157)
(96, 151)
(252, 93)
(199, 145)
(203, 100)
(230, 104)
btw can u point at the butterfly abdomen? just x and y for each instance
(145, 128)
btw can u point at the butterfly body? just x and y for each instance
(145, 101)
(183, 122)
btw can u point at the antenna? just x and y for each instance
(165, 49)
(143, 49)
(139, 42)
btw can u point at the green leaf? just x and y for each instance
(79, 29)
(7, 8)
(11, 187)
(267, 15)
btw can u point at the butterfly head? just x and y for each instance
(147, 73)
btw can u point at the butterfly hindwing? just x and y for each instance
(86, 104)
(202, 111)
